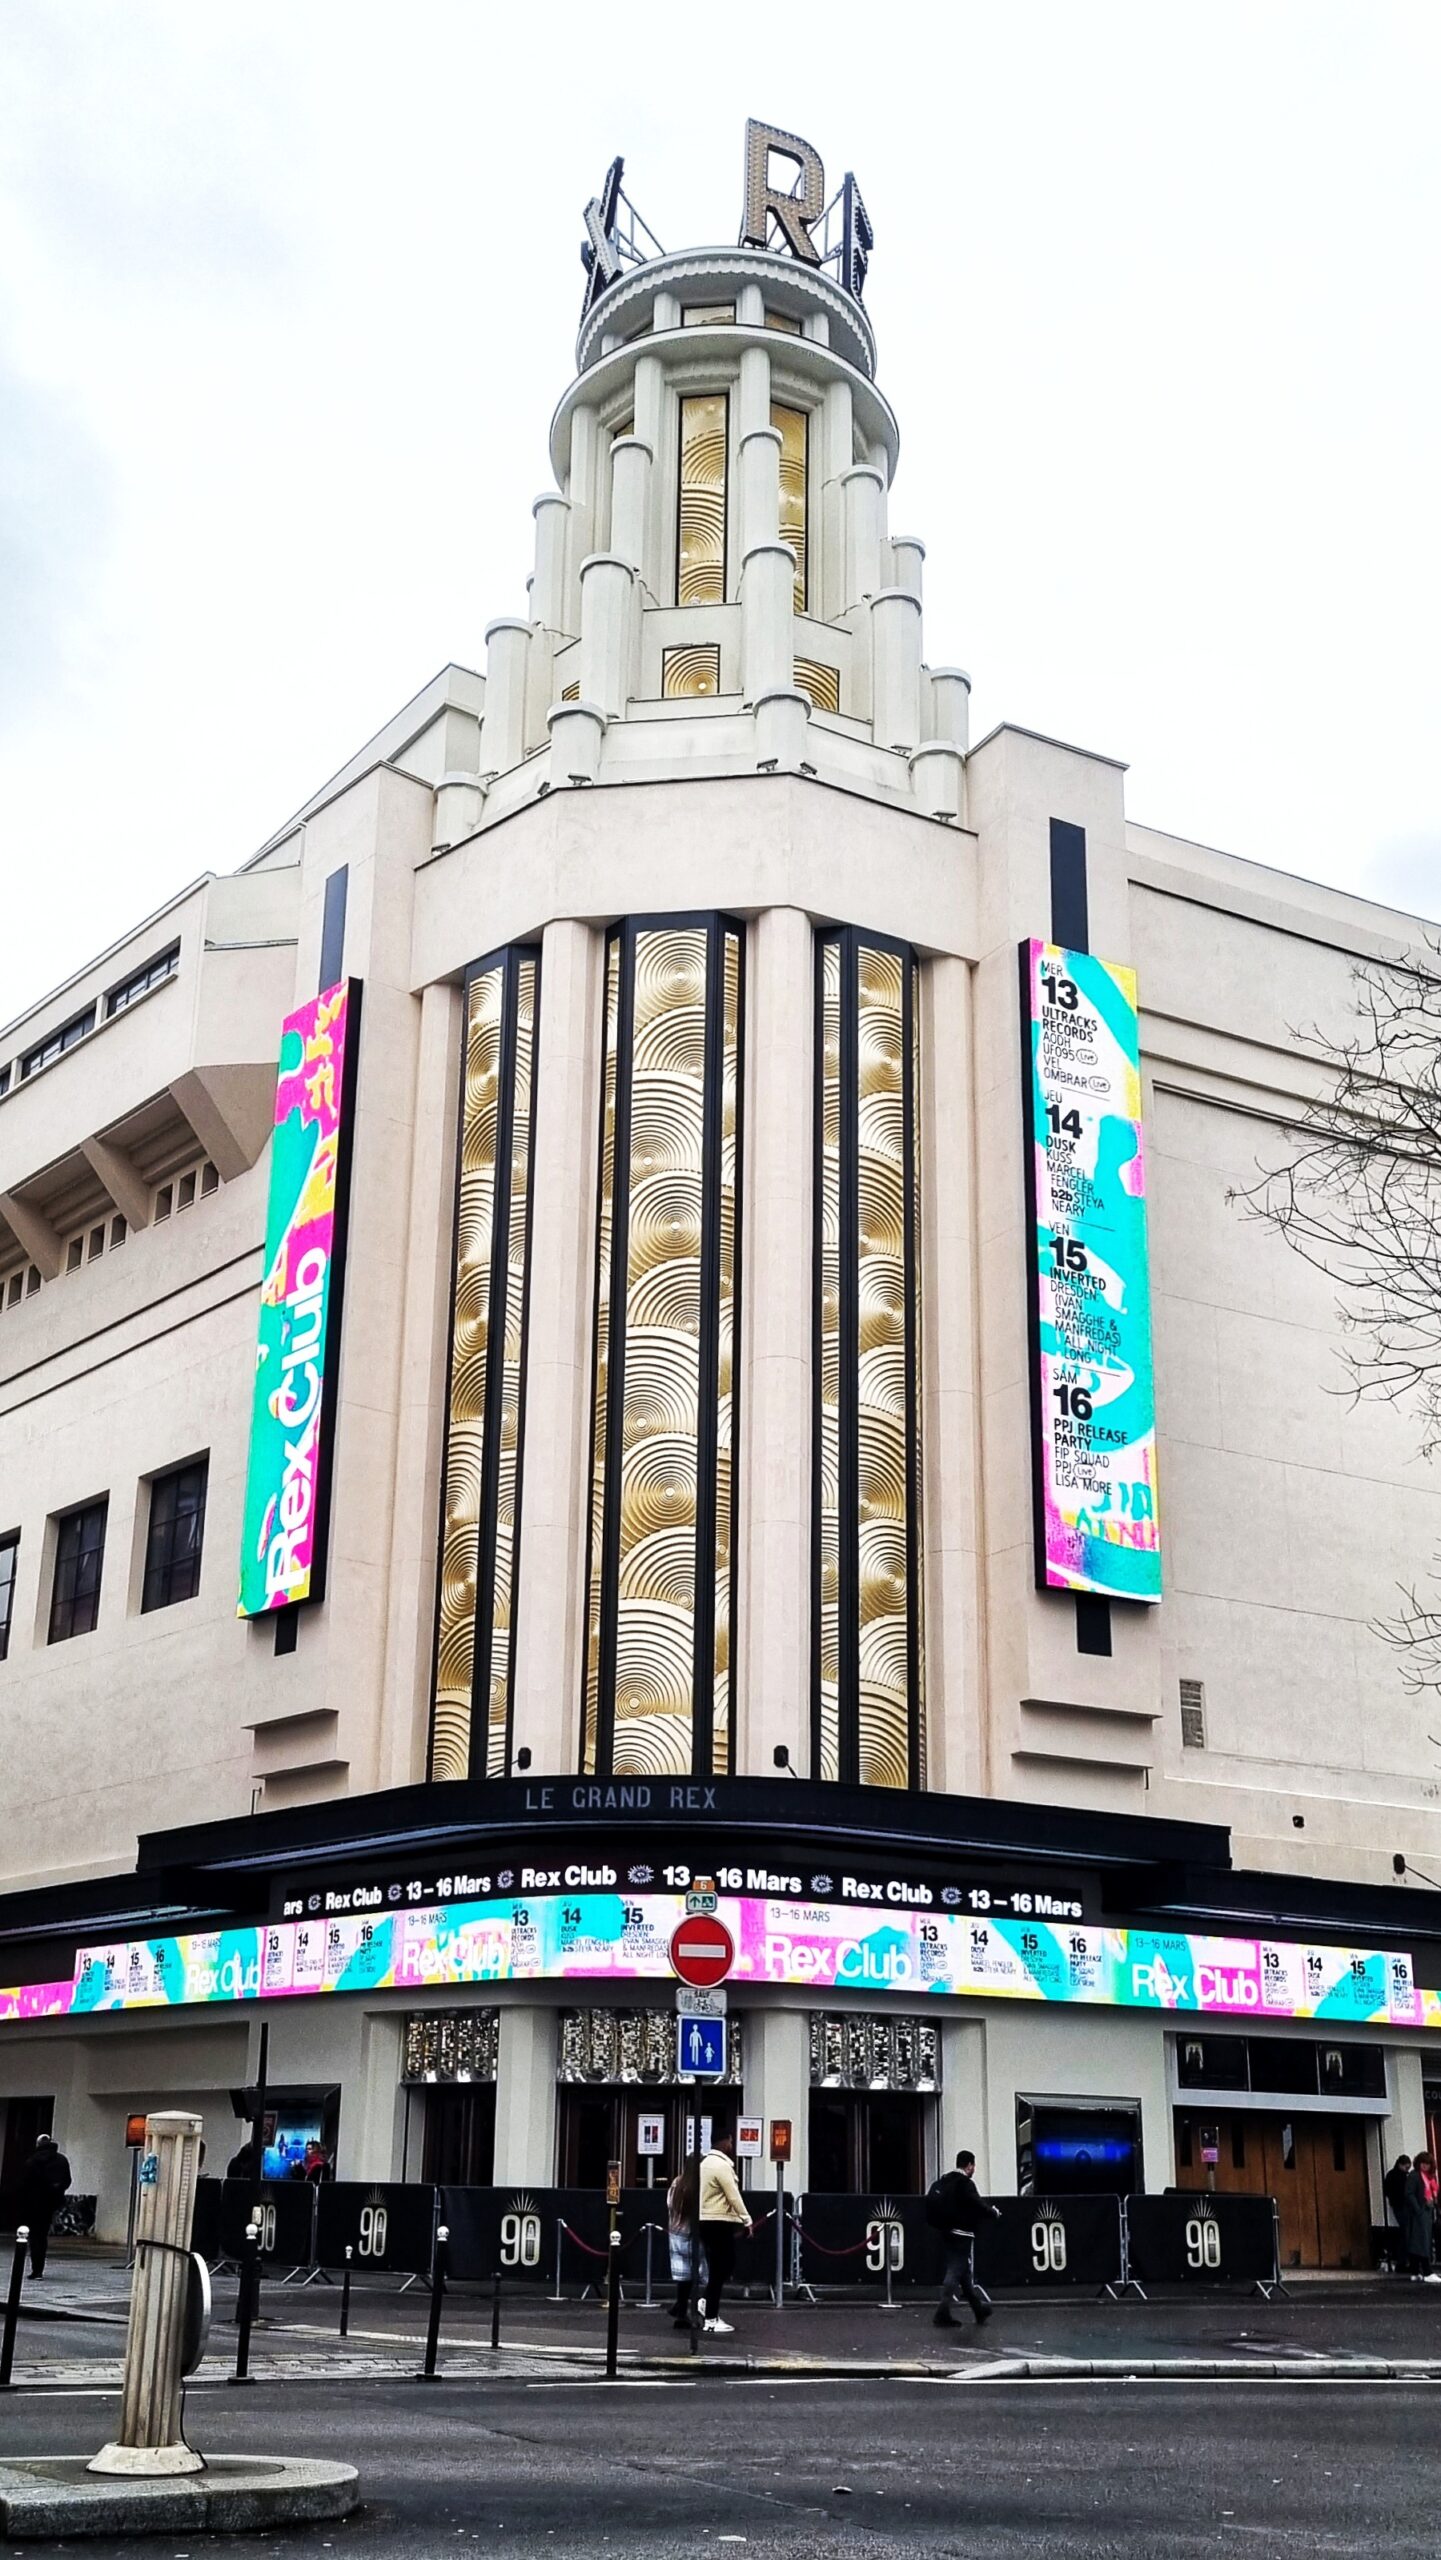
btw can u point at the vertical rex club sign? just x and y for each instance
(1090, 1293)
(282, 1557)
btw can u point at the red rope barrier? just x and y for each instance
(811, 2242)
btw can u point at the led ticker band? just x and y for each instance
(805, 1945)
(1095, 1415)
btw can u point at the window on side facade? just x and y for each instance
(79, 1557)
(176, 1535)
(9, 1562)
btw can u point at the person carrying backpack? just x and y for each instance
(956, 2208)
(44, 2185)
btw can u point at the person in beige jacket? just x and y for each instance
(722, 2214)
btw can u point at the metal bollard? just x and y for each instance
(427, 2372)
(892, 2231)
(345, 2293)
(558, 2296)
(12, 2308)
(612, 2308)
(495, 2313)
(245, 2302)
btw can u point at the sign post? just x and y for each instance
(780, 2154)
(702, 1952)
(650, 2140)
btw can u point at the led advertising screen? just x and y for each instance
(1094, 1396)
(816, 1946)
(282, 1548)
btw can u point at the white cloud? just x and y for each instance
(289, 296)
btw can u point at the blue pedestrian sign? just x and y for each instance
(701, 2047)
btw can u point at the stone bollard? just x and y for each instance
(150, 2442)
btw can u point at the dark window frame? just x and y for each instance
(78, 1571)
(175, 1535)
(152, 973)
(55, 1043)
(9, 1577)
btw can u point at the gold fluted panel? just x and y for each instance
(884, 1470)
(820, 683)
(828, 1597)
(469, 1358)
(700, 577)
(670, 1413)
(868, 1600)
(487, 1361)
(688, 672)
(725, 1345)
(600, 1427)
(792, 424)
(512, 1351)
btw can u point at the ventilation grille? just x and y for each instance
(1193, 1714)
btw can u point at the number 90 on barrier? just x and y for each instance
(1203, 2244)
(882, 2236)
(519, 2240)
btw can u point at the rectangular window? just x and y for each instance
(185, 1195)
(4, 1080)
(32, 1279)
(79, 1556)
(75, 1253)
(1193, 1714)
(15, 1289)
(701, 571)
(9, 1560)
(164, 1201)
(688, 672)
(209, 1180)
(153, 974)
(97, 1243)
(785, 321)
(708, 315)
(118, 1232)
(177, 1531)
(55, 1043)
(793, 425)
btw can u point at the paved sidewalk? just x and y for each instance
(1358, 2328)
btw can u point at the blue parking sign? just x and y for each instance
(701, 2047)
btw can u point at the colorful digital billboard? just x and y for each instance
(282, 1555)
(1090, 1294)
(813, 1946)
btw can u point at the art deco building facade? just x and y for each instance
(682, 1506)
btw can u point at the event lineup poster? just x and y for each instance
(1095, 1410)
(281, 1558)
(816, 1946)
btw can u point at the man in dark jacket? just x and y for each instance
(44, 2182)
(956, 2208)
(1393, 2185)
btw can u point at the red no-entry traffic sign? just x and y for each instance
(702, 1951)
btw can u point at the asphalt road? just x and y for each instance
(853, 2470)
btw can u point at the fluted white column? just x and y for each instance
(507, 666)
(605, 604)
(864, 491)
(907, 556)
(547, 596)
(896, 669)
(950, 706)
(836, 456)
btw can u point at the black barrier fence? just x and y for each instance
(1202, 2239)
(389, 2230)
(557, 2238)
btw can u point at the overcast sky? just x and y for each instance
(287, 295)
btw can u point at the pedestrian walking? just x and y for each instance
(1393, 2185)
(1418, 2220)
(722, 2214)
(956, 2208)
(44, 2182)
(682, 2207)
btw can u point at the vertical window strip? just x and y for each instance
(868, 1653)
(828, 1365)
(594, 1743)
(508, 1339)
(701, 531)
(470, 1734)
(658, 1694)
(794, 427)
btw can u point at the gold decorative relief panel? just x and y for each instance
(867, 1680)
(470, 1721)
(659, 1572)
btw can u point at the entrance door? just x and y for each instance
(25, 2120)
(598, 2125)
(867, 2142)
(459, 2148)
(1314, 2166)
